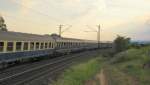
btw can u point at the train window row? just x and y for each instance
(24, 46)
(1, 46)
(29, 46)
(69, 44)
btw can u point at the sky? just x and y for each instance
(129, 18)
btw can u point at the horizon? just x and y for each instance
(126, 18)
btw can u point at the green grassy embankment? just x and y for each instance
(77, 74)
(131, 67)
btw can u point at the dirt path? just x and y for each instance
(102, 78)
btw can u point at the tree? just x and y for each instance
(3, 26)
(121, 43)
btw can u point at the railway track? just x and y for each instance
(21, 68)
(23, 75)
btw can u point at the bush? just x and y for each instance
(121, 43)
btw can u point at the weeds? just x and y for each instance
(76, 75)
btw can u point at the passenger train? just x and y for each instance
(15, 46)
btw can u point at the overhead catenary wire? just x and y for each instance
(98, 33)
(38, 12)
(12, 23)
(48, 17)
(62, 31)
(92, 29)
(66, 28)
(25, 20)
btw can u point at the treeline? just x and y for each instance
(123, 43)
(3, 26)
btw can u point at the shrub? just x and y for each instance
(121, 43)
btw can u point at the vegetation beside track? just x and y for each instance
(131, 67)
(77, 74)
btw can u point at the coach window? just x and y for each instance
(9, 46)
(50, 45)
(78, 44)
(25, 47)
(18, 46)
(72, 44)
(59, 44)
(37, 45)
(68, 45)
(42, 46)
(31, 45)
(1, 46)
(46, 45)
(64, 44)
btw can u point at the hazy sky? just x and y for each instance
(129, 18)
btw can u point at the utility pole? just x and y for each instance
(60, 29)
(98, 35)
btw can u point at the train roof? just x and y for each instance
(75, 40)
(18, 36)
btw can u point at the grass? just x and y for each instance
(129, 65)
(125, 68)
(78, 74)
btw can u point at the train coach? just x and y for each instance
(15, 46)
